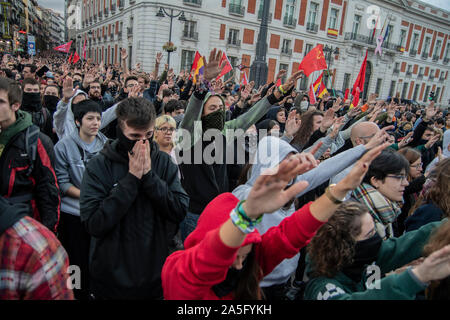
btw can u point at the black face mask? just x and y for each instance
(366, 252)
(50, 102)
(113, 91)
(31, 101)
(214, 120)
(125, 145)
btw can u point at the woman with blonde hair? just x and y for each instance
(165, 127)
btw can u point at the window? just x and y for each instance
(389, 32)
(286, 46)
(189, 29)
(290, 9)
(233, 37)
(421, 71)
(427, 91)
(402, 37)
(378, 86)
(408, 71)
(187, 58)
(431, 75)
(284, 67)
(414, 42)
(334, 13)
(405, 88)
(308, 48)
(437, 48)
(426, 46)
(356, 23)
(304, 83)
(312, 14)
(436, 94)
(416, 91)
(392, 89)
(447, 52)
(346, 83)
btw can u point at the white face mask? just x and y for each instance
(304, 105)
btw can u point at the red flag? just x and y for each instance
(76, 58)
(346, 93)
(312, 97)
(64, 47)
(70, 58)
(313, 61)
(84, 49)
(278, 83)
(196, 60)
(244, 79)
(228, 67)
(359, 83)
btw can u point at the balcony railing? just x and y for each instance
(194, 3)
(412, 52)
(396, 71)
(431, 77)
(424, 55)
(435, 58)
(286, 52)
(260, 14)
(190, 35)
(441, 79)
(311, 27)
(408, 73)
(236, 9)
(100, 14)
(111, 36)
(359, 38)
(445, 61)
(389, 46)
(233, 43)
(289, 21)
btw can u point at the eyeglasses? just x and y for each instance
(417, 166)
(165, 129)
(398, 177)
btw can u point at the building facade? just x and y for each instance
(414, 54)
(74, 21)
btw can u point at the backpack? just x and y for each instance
(31, 141)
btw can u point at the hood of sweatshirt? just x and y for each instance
(99, 142)
(216, 213)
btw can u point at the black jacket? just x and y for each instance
(39, 190)
(131, 222)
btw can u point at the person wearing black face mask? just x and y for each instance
(137, 187)
(347, 258)
(31, 103)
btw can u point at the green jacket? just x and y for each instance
(394, 253)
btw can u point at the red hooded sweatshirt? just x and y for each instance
(190, 274)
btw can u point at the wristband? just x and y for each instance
(241, 223)
(282, 90)
(330, 196)
(241, 211)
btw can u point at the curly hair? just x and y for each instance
(438, 290)
(306, 127)
(438, 192)
(333, 247)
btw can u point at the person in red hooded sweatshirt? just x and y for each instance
(225, 257)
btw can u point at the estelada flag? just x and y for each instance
(64, 47)
(228, 67)
(319, 87)
(312, 97)
(76, 57)
(313, 61)
(359, 83)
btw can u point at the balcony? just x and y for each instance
(424, 54)
(190, 35)
(311, 27)
(100, 14)
(396, 71)
(260, 14)
(441, 78)
(105, 37)
(289, 21)
(412, 53)
(236, 9)
(129, 32)
(445, 61)
(408, 73)
(121, 4)
(435, 58)
(286, 52)
(95, 18)
(420, 76)
(194, 3)
(359, 38)
(233, 43)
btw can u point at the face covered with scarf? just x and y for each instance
(213, 113)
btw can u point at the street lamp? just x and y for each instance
(329, 51)
(163, 13)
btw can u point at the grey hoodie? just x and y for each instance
(69, 166)
(271, 151)
(63, 120)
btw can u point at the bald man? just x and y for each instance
(362, 133)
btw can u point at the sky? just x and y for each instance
(58, 5)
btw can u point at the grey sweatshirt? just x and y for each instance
(271, 151)
(63, 120)
(69, 166)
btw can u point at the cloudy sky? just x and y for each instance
(58, 5)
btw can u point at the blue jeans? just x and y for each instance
(188, 224)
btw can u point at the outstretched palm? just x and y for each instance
(213, 67)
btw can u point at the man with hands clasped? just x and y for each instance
(131, 204)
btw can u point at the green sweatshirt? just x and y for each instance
(394, 253)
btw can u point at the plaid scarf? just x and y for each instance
(381, 208)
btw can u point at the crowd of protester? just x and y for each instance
(103, 168)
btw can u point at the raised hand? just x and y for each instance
(213, 67)
(137, 159)
(268, 193)
(292, 124)
(337, 104)
(280, 74)
(435, 267)
(123, 53)
(431, 111)
(327, 120)
(337, 125)
(405, 140)
(68, 90)
(159, 57)
(380, 137)
(432, 141)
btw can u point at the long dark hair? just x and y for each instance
(248, 286)
(306, 128)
